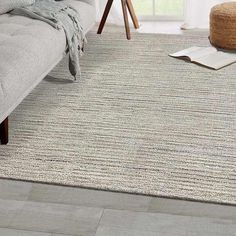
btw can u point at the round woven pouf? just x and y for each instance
(223, 25)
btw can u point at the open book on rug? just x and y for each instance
(207, 56)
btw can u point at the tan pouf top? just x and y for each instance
(223, 25)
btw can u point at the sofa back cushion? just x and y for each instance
(8, 5)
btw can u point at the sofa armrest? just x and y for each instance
(91, 2)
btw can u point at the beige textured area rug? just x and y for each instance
(137, 121)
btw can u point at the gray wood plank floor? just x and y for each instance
(30, 209)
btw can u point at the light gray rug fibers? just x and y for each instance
(137, 121)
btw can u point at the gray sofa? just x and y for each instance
(29, 50)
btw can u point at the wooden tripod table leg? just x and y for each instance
(132, 14)
(104, 17)
(126, 4)
(4, 131)
(126, 20)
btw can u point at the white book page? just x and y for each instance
(185, 53)
(194, 53)
(217, 60)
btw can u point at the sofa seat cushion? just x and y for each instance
(29, 49)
